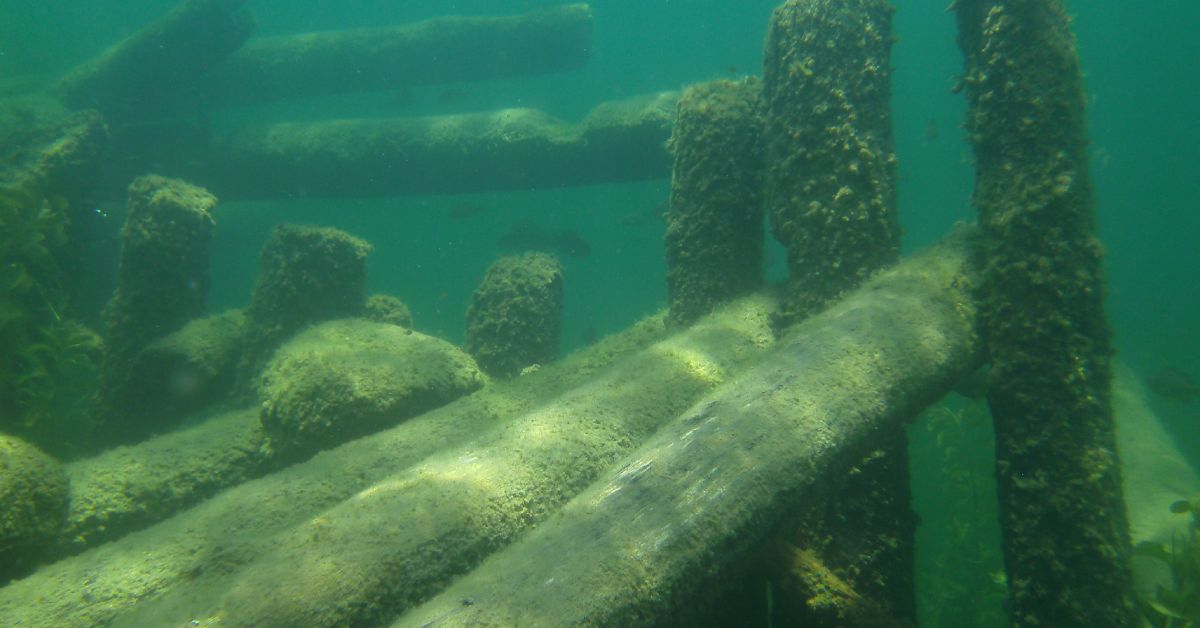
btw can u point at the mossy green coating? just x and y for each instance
(161, 285)
(831, 174)
(343, 379)
(515, 314)
(160, 65)
(411, 533)
(308, 275)
(200, 548)
(385, 308)
(860, 527)
(1065, 532)
(714, 239)
(33, 504)
(674, 519)
(445, 49)
(505, 149)
(126, 489)
(49, 152)
(189, 369)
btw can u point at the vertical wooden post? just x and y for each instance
(1064, 524)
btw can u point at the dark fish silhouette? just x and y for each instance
(464, 210)
(644, 218)
(931, 130)
(529, 236)
(452, 96)
(403, 98)
(1174, 385)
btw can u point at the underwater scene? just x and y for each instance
(750, 313)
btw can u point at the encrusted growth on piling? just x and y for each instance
(1063, 519)
(308, 275)
(515, 315)
(714, 239)
(161, 285)
(831, 175)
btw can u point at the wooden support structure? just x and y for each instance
(869, 362)
(440, 50)
(673, 519)
(1065, 531)
(510, 149)
(164, 65)
(200, 56)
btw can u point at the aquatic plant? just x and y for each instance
(961, 578)
(1178, 606)
(50, 364)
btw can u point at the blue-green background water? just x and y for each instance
(1142, 64)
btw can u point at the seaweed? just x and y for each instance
(1179, 605)
(962, 577)
(50, 368)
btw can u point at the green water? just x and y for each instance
(1143, 80)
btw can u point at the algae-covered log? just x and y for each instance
(200, 547)
(1066, 539)
(831, 165)
(129, 488)
(33, 505)
(396, 542)
(439, 50)
(187, 370)
(343, 379)
(500, 150)
(714, 239)
(161, 64)
(48, 153)
(672, 519)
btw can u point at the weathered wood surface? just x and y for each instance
(668, 521)
(509, 149)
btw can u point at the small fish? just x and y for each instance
(529, 236)
(464, 210)
(1173, 384)
(645, 217)
(452, 96)
(931, 130)
(404, 98)
(570, 243)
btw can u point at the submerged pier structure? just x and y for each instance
(327, 482)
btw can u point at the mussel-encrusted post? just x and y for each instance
(714, 239)
(831, 173)
(515, 315)
(161, 285)
(831, 192)
(308, 275)
(1064, 525)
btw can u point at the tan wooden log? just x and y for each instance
(162, 65)
(667, 523)
(202, 549)
(498, 150)
(439, 50)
